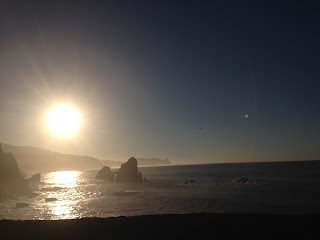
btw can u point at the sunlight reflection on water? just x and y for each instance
(64, 207)
(63, 210)
(66, 178)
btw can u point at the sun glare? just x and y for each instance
(64, 177)
(63, 120)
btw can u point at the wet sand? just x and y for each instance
(178, 226)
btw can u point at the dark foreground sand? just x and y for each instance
(179, 226)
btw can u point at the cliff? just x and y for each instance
(11, 179)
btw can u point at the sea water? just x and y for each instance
(276, 187)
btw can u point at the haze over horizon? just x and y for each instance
(192, 82)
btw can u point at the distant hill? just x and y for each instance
(111, 163)
(153, 162)
(32, 160)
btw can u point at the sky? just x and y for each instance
(191, 81)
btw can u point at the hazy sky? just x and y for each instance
(164, 79)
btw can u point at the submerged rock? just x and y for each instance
(129, 172)
(105, 174)
(189, 181)
(51, 199)
(35, 178)
(243, 180)
(22, 205)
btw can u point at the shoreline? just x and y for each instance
(209, 225)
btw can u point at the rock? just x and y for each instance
(51, 199)
(243, 180)
(35, 178)
(129, 172)
(105, 174)
(189, 181)
(11, 180)
(22, 205)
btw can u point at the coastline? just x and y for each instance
(208, 225)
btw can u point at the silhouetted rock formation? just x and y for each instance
(189, 181)
(51, 199)
(105, 174)
(35, 178)
(11, 180)
(243, 180)
(129, 172)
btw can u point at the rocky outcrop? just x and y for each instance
(105, 174)
(243, 180)
(189, 181)
(129, 172)
(11, 180)
(51, 199)
(35, 178)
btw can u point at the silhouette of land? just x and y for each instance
(178, 226)
(11, 180)
(196, 225)
(153, 162)
(35, 160)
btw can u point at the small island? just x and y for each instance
(128, 172)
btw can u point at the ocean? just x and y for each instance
(275, 187)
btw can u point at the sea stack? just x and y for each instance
(11, 179)
(129, 172)
(35, 178)
(105, 174)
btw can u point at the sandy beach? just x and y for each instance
(179, 226)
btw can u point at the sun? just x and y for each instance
(63, 120)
